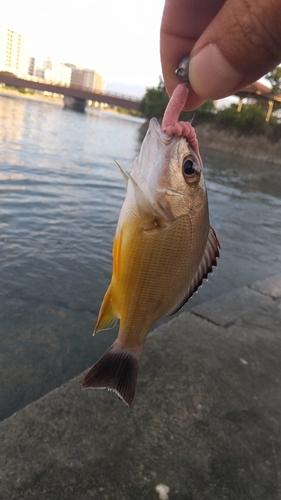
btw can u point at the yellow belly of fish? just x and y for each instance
(151, 271)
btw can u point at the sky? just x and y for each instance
(118, 38)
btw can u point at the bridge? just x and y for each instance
(74, 98)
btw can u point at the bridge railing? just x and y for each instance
(108, 93)
(29, 78)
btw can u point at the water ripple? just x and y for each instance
(61, 194)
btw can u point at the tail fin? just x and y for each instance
(117, 370)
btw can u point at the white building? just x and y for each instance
(59, 74)
(51, 72)
(13, 52)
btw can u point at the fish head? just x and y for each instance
(169, 174)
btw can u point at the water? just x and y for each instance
(60, 198)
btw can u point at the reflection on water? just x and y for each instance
(60, 198)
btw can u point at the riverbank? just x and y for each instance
(209, 134)
(205, 423)
(13, 93)
(230, 141)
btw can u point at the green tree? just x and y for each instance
(154, 101)
(249, 120)
(274, 77)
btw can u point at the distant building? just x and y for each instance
(39, 73)
(59, 74)
(36, 67)
(31, 66)
(77, 78)
(47, 64)
(86, 79)
(13, 52)
(51, 72)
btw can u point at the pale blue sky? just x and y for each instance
(119, 38)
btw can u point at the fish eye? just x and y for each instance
(188, 167)
(190, 174)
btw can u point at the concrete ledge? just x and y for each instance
(206, 420)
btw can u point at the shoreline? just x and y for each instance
(209, 135)
(256, 147)
(11, 93)
(58, 101)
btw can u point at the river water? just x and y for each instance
(59, 203)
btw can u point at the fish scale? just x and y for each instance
(150, 281)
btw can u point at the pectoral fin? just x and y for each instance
(152, 216)
(146, 210)
(107, 317)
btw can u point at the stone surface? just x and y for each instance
(206, 420)
(270, 286)
(226, 310)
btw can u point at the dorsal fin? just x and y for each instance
(124, 174)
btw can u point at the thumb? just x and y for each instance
(240, 45)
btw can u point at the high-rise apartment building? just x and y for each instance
(13, 52)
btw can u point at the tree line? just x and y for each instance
(249, 119)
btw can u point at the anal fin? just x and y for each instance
(107, 317)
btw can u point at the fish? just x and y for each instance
(164, 246)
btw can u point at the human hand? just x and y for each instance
(231, 44)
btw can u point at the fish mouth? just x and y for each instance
(155, 148)
(155, 129)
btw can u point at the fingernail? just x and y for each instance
(211, 75)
